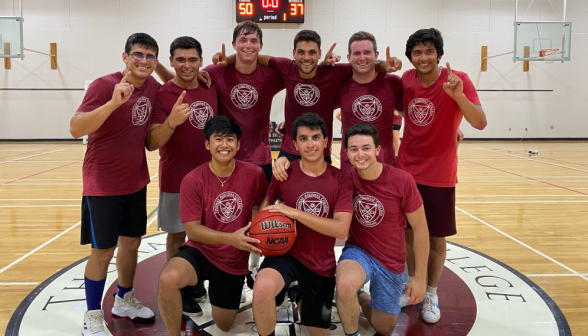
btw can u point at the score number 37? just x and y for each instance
(296, 9)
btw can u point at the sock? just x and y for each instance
(432, 290)
(354, 334)
(122, 291)
(272, 334)
(94, 291)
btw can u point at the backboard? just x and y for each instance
(540, 36)
(11, 37)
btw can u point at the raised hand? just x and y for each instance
(204, 77)
(393, 64)
(330, 57)
(454, 85)
(220, 58)
(122, 91)
(179, 113)
(241, 241)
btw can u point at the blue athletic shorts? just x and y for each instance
(385, 286)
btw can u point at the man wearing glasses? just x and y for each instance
(116, 114)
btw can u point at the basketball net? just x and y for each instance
(548, 55)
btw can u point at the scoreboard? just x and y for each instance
(270, 11)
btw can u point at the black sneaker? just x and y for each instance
(199, 292)
(190, 307)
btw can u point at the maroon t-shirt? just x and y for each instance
(431, 121)
(248, 100)
(225, 209)
(185, 149)
(397, 120)
(115, 162)
(321, 196)
(373, 102)
(315, 95)
(379, 208)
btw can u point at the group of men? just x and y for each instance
(215, 172)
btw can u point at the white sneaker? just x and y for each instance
(403, 299)
(430, 312)
(93, 323)
(132, 308)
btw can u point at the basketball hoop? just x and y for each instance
(548, 55)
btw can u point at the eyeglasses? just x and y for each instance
(139, 57)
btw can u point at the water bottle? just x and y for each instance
(534, 151)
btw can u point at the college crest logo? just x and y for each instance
(141, 111)
(313, 203)
(306, 94)
(421, 111)
(200, 113)
(244, 96)
(367, 108)
(227, 206)
(368, 210)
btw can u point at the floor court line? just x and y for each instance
(525, 245)
(529, 159)
(21, 153)
(26, 157)
(522, 202)
(19, 283)
(530, 178)
(50, 206)
(555, 275)
(48, 170)
(517, 196)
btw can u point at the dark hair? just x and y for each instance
(362, 36)
(307, 35)
(143, 40)
(185, 42)
(246, 28)
(363, 129)
(422, 36)
(311, 120)
(222, 126)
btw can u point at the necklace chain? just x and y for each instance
(218, 178)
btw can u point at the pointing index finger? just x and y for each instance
(181, 98)
(448, 69)
(387, 52)
(126, 77)
(331, 49)
(223, 50)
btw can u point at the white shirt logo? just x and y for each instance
(141, 111)
(200, 113)
(367, 108)
(306, 94)
(227, 206)
(244, 96)
(421, 111)
(313, 203)
(368, 210)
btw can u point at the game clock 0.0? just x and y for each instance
(270, 11)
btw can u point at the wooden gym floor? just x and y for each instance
(530, 212)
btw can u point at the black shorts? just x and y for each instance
(104, 218)
(267, 171)
(317, 291)
(396, 127)
(439, 203)
(224, 289)
(292, 157)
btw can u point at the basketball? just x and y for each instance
(275, 232)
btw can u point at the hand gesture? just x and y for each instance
(459, 136)
(279, 169)
(454, 86)
(122, 91)
(220, 58)
(283, 209)
(280, 130)
(179, 113)
(393, 64)
(204, 77)
(416, 291)
(243, 242)
(330, 57)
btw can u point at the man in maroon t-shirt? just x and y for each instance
(245, 92)
(383, 197)
(318, 196)
(216, 201)
(369, 96)
(434, 101)
(182, 108)
(115, 114)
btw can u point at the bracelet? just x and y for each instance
(172, 128)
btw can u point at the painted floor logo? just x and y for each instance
(478, 296)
